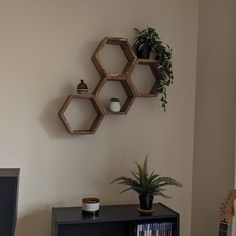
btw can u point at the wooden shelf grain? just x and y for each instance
(154, 66)
(124, 78)
(127, 50)
(94, 102)
(128, 90)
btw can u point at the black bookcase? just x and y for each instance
(9, 179)
(113, 220)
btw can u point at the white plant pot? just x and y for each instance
(115, 106)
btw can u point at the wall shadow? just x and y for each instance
(36, 223)
(49, 117)
(92, 76)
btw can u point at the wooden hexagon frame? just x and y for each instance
(128, 90)
(153, 64)
(128, 52)
(124, 78)
(94, 102)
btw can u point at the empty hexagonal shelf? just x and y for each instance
(152, 81)
(128, 52)
(128, 91)
(96, 110)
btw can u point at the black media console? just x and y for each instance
(113, 220)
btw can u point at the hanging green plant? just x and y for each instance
(163, 53)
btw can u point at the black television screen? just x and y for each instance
(9, 179)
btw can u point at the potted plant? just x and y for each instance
(115, 104)
(149, 38)
(145, 41)
(146, 185)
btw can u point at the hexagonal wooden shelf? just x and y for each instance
(128, 52)
(124, 78)
(153, 64)
(128, 90)
(94, 102)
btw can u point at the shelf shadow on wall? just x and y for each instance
(49, 119)
(85, 64)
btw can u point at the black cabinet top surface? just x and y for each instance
(110, 213)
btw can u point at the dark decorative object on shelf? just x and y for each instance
(163, 53)
(146, 185)
(82, 88)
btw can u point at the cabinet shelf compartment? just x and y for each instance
(98, 229)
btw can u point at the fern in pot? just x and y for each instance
(146, 185)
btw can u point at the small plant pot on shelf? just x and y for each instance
(144, 52)
(115, 104)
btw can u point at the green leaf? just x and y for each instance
(145, 165)
(143, 183)
(135, 175)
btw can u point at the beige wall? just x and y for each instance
(45, 48)
(213, 168)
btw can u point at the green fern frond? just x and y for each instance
(145, 184)
(135, 174)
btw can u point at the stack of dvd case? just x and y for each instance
(153, 229)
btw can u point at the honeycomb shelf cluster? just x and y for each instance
(124, 78)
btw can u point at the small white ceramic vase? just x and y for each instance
(115, 106)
